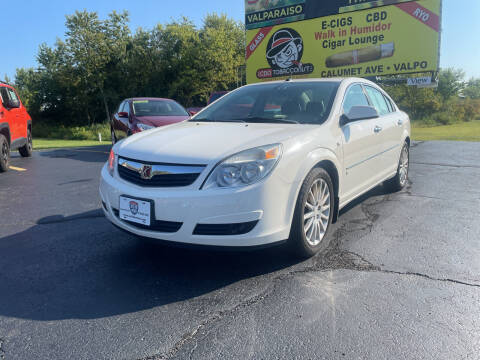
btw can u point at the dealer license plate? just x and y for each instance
(134, 210)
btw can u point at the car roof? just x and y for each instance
(148, 98)
(3, 83)
(334, 79)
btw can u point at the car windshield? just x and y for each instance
(216, 96)
(158, 108)
(288, 102)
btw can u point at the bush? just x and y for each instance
(443, 118)
(61, 132)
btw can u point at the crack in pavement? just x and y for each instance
(186, 338)
(334, 259)
(447, 165)
(2, 350)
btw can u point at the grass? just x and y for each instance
(464, 131)
(39, 144)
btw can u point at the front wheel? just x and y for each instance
(27, 149)
(313, 214)
(400, 180)
(4, 153)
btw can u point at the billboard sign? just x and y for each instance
(396, 39)
(261, 13)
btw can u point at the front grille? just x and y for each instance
(170, 180)
(164, 175)
(224, 229)
(156, 225)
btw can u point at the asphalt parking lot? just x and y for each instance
(401, 279)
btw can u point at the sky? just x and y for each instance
(32, 23)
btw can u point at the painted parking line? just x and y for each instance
(17, 168)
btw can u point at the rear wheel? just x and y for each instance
(27, 149)
(400, 180)
(4, 153)
(313, 214)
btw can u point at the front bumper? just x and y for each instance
(270, 203)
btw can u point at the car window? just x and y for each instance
(389, 104)
(13, 95)
(158, 108)
(378, 100)
(120, 107)
(126, 107)
(354, 97)
(3, 94)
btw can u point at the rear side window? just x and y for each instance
(389, 104)
(13, 95)
(354, 97)
(378, 100)
(126, 107)
(120, 107)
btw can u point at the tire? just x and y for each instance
(114, 138)
(4, 153)
(400, 180)
(307, 240)
(27, 149)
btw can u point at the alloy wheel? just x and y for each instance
(5, 152)
(403, 167)
(317, 212)
(30, 141)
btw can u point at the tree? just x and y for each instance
(450, 82)
(472, 89)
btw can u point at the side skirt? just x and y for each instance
(18, 143)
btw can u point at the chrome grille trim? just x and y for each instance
(161, 169)
(160, 175)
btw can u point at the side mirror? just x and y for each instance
(122, 114)
(357, 113)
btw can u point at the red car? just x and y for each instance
(140, 114)
(15, 126)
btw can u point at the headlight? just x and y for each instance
(111, 163)
(144, 127)
(245, 168)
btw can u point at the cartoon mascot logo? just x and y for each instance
(285, 49)
(284, 55)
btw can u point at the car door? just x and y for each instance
(20, 115)
(4, 113)
(360, 146)
(120, 124)
(11, 114)
(387, 131)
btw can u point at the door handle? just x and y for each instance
(400, 122)
(377, 129)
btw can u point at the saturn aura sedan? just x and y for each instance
(266, 164)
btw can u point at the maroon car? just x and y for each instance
(140, 114)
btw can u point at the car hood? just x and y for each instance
(161, 120)
(203, 143)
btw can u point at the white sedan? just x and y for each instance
(265, 164)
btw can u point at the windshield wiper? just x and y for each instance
(257, 119)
